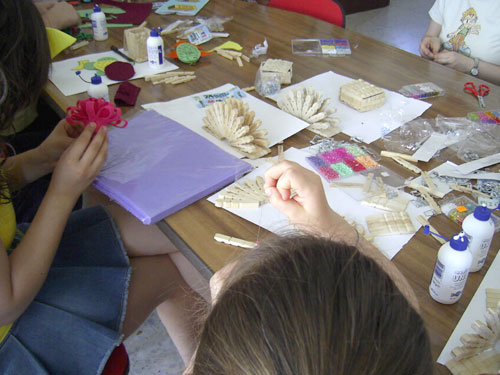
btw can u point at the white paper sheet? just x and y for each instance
(69, 83)
(432, 145)
(367, 126)
(475, 310)
(271, 219)
(279, 125)
(478, 164)
(450, 169)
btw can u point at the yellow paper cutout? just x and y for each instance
(102, 64)
(58, 41)
(461, 209)
(81, 65)
(228, 45)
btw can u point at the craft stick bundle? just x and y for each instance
(173, 78)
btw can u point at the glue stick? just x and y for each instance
(97, 88)
(154, 45)
(99, 27)
(451, 270)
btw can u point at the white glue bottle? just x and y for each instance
(98, 89)
(155, 48)
(99, 26)
(479, 229)
(451, 270)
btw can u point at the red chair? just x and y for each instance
(327, 10)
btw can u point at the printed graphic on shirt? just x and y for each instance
(457, 39)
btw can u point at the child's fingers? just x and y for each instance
(77, 149)
(94, 146)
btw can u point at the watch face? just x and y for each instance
(474, 71)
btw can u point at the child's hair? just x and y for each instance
(307, 305)
(24, 56)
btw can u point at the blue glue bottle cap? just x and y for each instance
(96, 80)
(97, 8)
(154, 32)
(482, 213)
(459, 242)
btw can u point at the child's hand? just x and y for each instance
(80, 163)
(429, 46)
(308, 208)
(51, 149)
(454, 60)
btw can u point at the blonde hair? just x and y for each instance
(308, 306)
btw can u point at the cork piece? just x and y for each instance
(492, 297)
(390, 224)
(134, 42)
(249, 194)
(281, 67)
(361, 95)
(232, 120)
(309, 105)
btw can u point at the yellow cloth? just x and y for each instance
(7, 231)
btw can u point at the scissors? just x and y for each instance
(483, 91)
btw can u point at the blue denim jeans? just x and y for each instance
(74, 322)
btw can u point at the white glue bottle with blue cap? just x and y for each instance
(479, 229)
(451, 269)
(99, 26)
(97, 88)
(155, 48)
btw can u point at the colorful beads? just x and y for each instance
(341, 162)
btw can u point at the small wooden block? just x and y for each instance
(407, 164)
(394, 204)
(361, 95)
(486, 362)
(390, 154)
(234, 241)
(276, 66)
(134, 42)
(492, 298)
(389, 224)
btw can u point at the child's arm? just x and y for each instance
(24, 168)
(431, 44)
(308, 209)
(23, 272)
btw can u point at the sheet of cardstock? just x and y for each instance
(478, 164)
(450, 169)
(156, 166)
(271, 219)
(64, 76)
(475, 310)
(367, 126)
(187, 111)
(432, 145)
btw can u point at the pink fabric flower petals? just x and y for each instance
(96, 110)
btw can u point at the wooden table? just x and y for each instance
(193, 228)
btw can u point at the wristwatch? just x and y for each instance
(475, 69)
